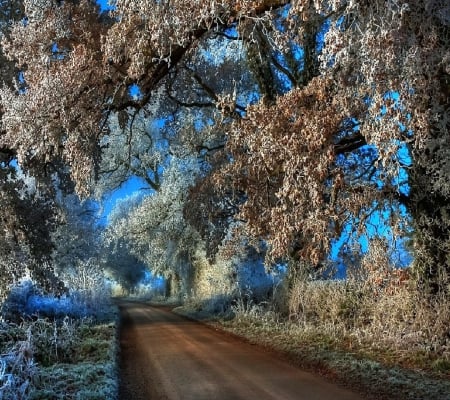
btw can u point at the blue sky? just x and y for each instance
(103, 4)
(132, 185)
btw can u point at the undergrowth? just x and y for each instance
(59, 359)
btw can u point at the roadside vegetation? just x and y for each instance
(55, 349)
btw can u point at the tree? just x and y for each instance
(130, 150)
(380, 87)
(155, 231)
(76, 237)
(28, 218)
(78, 67)
(58, 114)
(10, 10)
(123, 267)
(343, 88)
(27, 215)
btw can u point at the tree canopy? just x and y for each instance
(303, 119)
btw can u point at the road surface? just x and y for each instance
(165, 356)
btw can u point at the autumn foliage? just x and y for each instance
(327, 113)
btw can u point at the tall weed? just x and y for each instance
(41, 358)
(18, 370)
(381, 308)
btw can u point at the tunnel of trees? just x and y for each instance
(307, 134)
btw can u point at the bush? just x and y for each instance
(26, 300)
(14, 307)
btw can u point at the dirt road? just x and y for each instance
(165, 356)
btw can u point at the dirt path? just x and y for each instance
(165, 356)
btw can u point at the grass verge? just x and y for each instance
(60, 359)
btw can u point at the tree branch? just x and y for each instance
(350, 143)
(158, 70)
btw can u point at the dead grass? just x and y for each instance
(63, 359)
(374, 371)
(397, 325)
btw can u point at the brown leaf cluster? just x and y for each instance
(284, 154)
(282, 158)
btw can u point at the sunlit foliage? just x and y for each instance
(309, 116)
(155, 231)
